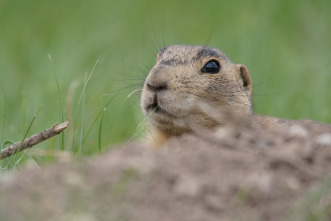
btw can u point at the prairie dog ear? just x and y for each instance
(158, 57)
(245, 78)
(159, 53)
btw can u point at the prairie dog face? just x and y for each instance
(183, 78)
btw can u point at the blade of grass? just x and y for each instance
(59, 99)
(3, 118)
(82, 124)
(100, 132)
(97, 117)
(30, 157)
(33, 160)
(141, 123)
(79, 103)
(120, 106)
(27, 131)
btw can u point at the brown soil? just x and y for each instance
(233, 173)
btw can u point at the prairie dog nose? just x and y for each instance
(158, 79)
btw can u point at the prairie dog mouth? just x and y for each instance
(156, 109)
(153, 107)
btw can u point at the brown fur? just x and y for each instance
(176, 86)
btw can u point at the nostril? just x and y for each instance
(162, 87)
(149, 86)
(157, 87)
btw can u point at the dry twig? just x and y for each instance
(33, 140)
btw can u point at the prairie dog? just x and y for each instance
(185, 76)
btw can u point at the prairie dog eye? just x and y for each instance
(211, 67)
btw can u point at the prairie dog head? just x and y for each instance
(186, 76)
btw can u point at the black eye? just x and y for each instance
(211, 67)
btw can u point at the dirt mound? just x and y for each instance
(233, 173)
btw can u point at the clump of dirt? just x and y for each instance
(232, 173)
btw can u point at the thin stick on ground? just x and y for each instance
(33, 140)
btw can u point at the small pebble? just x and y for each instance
(297, 131)
(324, 139)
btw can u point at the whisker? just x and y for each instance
(133, 92)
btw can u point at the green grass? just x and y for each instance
(315, 204)
(285, 45)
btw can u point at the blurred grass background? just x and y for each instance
(285, 45)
